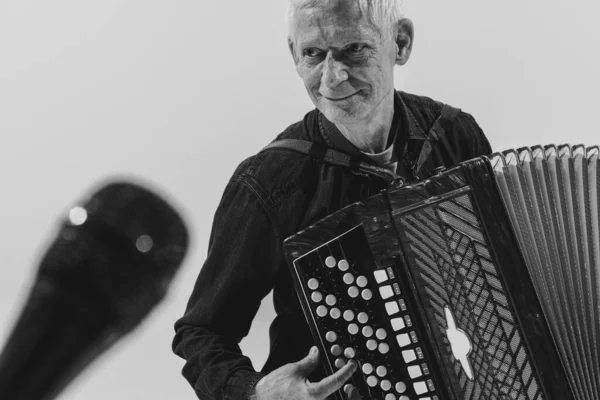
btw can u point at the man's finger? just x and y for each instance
(309, 363)
(333, 382)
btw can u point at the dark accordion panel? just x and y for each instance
(478, 283)
(551, 195)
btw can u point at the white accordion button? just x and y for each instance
(390, 396)
(316, 297)
(400, 387)
(391, 307)
(386, 292)
(348, 315)
(347, 388)
(420, 387)
(414, 371)
(339, 363)
(353, 329)
(330, 300)
(361, 281)
(367, 294)
(404, 398)
(349, 352)
(353, 292)
(380, 276)
(362, 317)
(348, 278)
(381, 371)
(331, 336)
(313, 283)
(335, 313)
(336, 350)
(330, 262)
(343, 265)
(403, 339)
(367, 369)
(409, 356)
(372, 381)
(381, 334)
(371, 344)
(386, 385)
(397, 323)
(384, 348)
(367, 331)
(321, 311)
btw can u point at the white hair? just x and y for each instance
(383, 14)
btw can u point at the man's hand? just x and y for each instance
(290, 381)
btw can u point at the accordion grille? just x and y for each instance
(454, 268)
(551, 195)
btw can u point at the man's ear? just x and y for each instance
(292, 50)
(404, 40)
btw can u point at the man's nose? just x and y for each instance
(334, 72)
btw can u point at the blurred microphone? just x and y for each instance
(111, 263)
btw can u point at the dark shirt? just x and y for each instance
(271, 196)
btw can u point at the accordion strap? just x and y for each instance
(441, 125)
(336, 158)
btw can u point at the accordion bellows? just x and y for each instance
(478, 283)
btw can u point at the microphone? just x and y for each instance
(109, 266)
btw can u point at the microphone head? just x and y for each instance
(115, 255)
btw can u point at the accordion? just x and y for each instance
(480, 282)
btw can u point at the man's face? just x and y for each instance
(346, 64)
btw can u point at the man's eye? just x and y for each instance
(356, 48)
(311, 52)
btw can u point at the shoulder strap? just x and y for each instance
(334, 157)
(441, 125)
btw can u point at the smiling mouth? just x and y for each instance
(341, 98)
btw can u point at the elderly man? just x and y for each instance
(345, 51)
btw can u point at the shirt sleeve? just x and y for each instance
(244, 253)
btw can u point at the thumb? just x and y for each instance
(310, 362)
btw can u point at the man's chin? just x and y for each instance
(339, 115)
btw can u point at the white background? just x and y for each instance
(177, 93)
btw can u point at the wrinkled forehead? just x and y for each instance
(332, 22)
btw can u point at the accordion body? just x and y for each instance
(480, 282)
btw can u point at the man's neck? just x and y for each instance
(371, 135)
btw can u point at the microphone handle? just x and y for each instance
(58, 333)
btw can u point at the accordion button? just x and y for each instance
(380, 275)
(384, 348)
(321, 311)
(348, 278)
(347, 388)
(330, 300)
(361, 281)
(386, 385)
(409, 356)
(343, 265)
(331, 336)
(391, 307)
(349, 352)
(404, 398)
(386, 292)
(336, 350)
(348, 315)
(400, 387)
(390, 396)
(414, 371)
(371, 344)
(367, 369)
(420, 387)
(381, 371)
(403, 339)
(363, 317)
(353, 292)
(367, 331)
(330, 262)
(335, 313)
(313, 283)
(372, 381)
(353, 329)
(381, 334)
(340, 362)
(397, 323)
(316, 297)
(367, 294)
